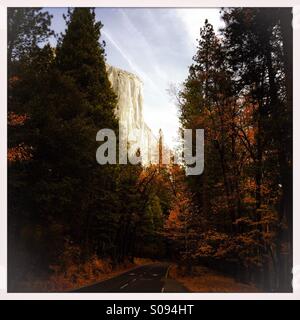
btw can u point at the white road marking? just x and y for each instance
(132, 274)
(125, 285)
(167, 273)
(155, 274)
(163, 289)
(134, 280)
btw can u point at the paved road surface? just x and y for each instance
(148, 278)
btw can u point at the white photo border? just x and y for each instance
(3, 147)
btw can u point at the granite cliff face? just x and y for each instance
(129, 89)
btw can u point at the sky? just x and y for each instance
(157, 44)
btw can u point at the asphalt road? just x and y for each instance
(148, 278)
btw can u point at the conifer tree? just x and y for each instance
(80, 56)
(26, 29)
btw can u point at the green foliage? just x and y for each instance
(26, 29)
(81, 57)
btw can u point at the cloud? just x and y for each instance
(194, 19)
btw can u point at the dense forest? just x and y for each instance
(67, 213)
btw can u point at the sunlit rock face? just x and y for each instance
(129, 89)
